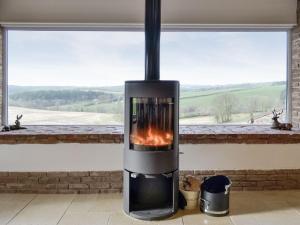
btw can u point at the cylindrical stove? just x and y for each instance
(151, 133)
(151, 148)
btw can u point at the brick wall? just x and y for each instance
(111, 182)
(1, 70)
(254, 180)
(296, 72)
(61, 182)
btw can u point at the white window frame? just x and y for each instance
(140, 27)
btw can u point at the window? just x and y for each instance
(227, 77)
(71, 77)
(76, 77)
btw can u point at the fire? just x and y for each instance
(152, 137)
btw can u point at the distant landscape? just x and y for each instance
(226, 104)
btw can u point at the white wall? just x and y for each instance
(132, 11)
(84, 157)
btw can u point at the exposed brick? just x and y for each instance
(236, 188)
(41, 186)
(99, 173)
(248, 183)
(295, 73)
(78, 174)
(28, 180)
(94, 179)
(116, 185)
(35, 174)
(89, 191)
(18, 174)
(115, 178)
(237, 177)
(48, 180)
(289, 184)
(78, 186)
(257, 177)
(261, 172)
(3, 174)
(50, 186)
(294, 176)
(66, 191)
(271, 188)
(204, 172)
(116, 173)
(277, 177)
(5, 180)
(100, 185)
(266, 183)
(107, 191)
(62, 186)
(57, 174)
(253, 188)
(69, 180)
(1, 62)
(15, 185)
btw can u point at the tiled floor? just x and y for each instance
(247, 208)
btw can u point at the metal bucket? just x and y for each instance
(215, 195)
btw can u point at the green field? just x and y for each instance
(104, 105)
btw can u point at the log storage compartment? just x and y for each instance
(151, 192)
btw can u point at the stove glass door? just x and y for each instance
(152, 124)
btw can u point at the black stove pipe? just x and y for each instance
(152, 38)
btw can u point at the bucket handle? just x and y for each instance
(227, 187)
(204, 200)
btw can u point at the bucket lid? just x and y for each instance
(216, 184)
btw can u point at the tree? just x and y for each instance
(253, 104)
(282, 97)
(223, 107)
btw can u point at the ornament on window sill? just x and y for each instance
(16, 126)
(278, 125)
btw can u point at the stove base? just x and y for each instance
(153, 214)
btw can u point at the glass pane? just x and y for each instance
(152, 125)
(71, 77)
(227, 77)
(77, 77)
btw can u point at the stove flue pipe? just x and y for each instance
(152, 39)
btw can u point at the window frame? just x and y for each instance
(139, 28)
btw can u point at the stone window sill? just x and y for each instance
(202, 134)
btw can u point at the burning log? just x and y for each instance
(152, 137)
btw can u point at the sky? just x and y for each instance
(102, 58)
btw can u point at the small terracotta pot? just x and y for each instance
(191, 197)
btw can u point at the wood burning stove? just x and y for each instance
(151, 134)
(151, 148)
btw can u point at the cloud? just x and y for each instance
(109, 58)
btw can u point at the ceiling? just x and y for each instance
(132, 11)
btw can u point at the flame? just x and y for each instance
(152, 137)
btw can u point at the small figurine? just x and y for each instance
(17, 125)
(277, 125)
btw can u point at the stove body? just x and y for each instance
(151, 149)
